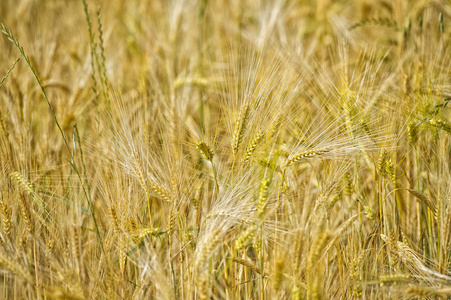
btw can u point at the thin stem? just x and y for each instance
(27, 59)
(214, 177)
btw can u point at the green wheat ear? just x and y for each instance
(9, 71)
(379, 21)
(93, 48)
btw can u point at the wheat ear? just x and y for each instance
(240, 127)
(6, 214)
(306, 154)
(253, 145)
(142, 182)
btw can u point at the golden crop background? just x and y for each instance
(218, 149)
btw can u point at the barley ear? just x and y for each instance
(206, 150)
(240, 127)
(431, 205)
(246, 237)
(441, 124)
(263, 198)
(26, 214)
(6, 218)
(305, 155)
(253, 145)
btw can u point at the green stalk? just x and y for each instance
(200, 46)
(72, 162)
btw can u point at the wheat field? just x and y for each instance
(217, 149)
